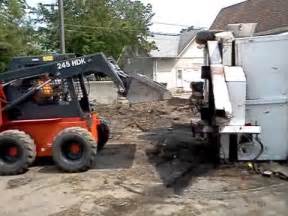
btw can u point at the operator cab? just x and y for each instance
(58, 98)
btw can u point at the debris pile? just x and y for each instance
(146, 116)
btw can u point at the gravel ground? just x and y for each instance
(151, 166)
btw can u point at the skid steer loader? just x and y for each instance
(45, 110)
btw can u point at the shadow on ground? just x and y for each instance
(178, 157)
(116, 156)
(113, 156)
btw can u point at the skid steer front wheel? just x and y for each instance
(74, 150)
(17, 152)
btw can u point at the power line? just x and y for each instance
(89, 32)
(85, 28)
(101, 27)
(171, 24)
(165, 34)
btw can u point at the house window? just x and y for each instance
(179, 74)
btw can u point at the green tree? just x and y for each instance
(15, 31)
(94, 26)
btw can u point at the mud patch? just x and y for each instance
(72, 211)
(178, 157)
(18, 182)
(117, 207)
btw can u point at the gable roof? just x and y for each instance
(269, 14)
(171, 45)
(185, 39)
(167, 45)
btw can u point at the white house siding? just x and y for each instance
(139, 65)
(165, 71)
(189, 63)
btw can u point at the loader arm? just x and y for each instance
(85, 65)
(136, 88)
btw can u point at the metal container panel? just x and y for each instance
(265, 63)
(273, 121)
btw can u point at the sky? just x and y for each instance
(182, 13)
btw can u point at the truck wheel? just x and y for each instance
(74, 150)
(103, 134)
(17, 152)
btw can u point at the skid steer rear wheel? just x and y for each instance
(74, 150)
(103, 133)
(17, 152)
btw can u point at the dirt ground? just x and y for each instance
(151, 166)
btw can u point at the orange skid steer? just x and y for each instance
(45, 110)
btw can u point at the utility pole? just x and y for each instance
(61, 22)
(61, 26)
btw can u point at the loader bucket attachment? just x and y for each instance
(142, 89)
(137, 87)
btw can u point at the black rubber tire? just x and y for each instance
(103, 134)
(27, 148)
(85, 139)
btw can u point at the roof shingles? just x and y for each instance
(167, 46)
(170, 46)
(269, 14)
